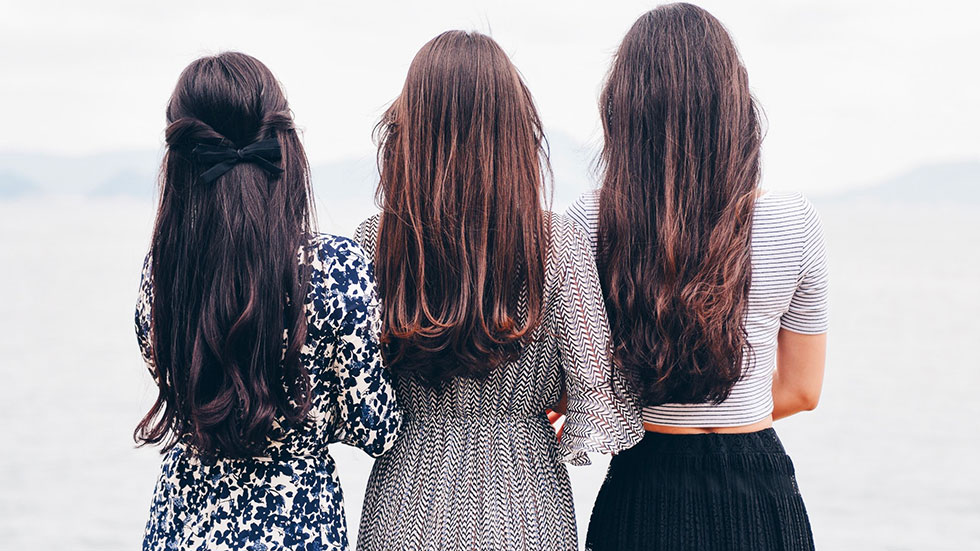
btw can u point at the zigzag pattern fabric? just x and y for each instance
(477, 466)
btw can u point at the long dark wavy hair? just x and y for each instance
(228, 318)
(680, 174)
(463, 238)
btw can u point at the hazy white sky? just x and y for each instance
(854, 91)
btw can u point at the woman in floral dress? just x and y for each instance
(262, 336)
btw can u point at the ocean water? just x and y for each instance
(887, 461)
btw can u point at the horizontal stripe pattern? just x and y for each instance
(788, 290)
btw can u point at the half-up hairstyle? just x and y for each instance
(680, 174)
(228, 318)
(462, 238)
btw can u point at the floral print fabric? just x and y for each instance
(290, 498)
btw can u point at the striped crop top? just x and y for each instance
(788, 290)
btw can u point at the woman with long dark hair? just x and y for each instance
(716, 293)
(262, 336)
(491, 307)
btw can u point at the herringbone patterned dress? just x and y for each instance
(477, 466)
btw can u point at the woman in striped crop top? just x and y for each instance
(716, 294)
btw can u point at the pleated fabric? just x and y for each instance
(723, 492)
(476, 465)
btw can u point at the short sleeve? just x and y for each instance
(144, 302)
(369, 414)
(602, 415)
(808, 309)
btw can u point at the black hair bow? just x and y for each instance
(220, 158)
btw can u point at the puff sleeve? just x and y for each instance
(369, 417)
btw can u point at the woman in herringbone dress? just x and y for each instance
(477, 465)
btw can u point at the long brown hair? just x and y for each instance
(681, 169)
(462, 240)
(226, 277)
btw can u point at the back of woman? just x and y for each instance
(492, 309)
(716, 293)
(262, 336)
(788, 291)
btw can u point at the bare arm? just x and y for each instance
(801, 347)
(798, 379)
(562, 406)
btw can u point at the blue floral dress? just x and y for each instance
(290, 498)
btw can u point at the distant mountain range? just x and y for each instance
(939, 183)
(130, 173)
(13, 185)
(351, 182)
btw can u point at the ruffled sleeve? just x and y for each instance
(602, 415)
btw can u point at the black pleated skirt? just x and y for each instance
(716, 492)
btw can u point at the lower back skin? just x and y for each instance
(754, 427)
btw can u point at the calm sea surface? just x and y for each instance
(888, 460)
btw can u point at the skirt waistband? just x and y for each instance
(693, 455)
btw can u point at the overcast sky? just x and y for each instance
(854, 92)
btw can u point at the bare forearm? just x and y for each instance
(562, 406)
(798, 379)
(788, 401)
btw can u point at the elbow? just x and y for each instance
(808, 401)
(380, 445)
(791, 400)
